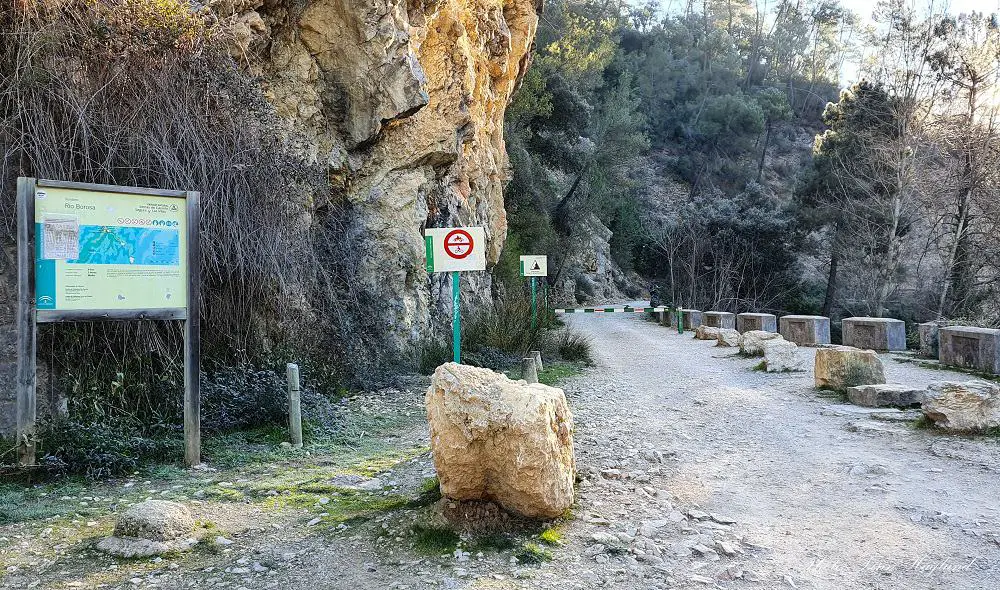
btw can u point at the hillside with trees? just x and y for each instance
(717, 146)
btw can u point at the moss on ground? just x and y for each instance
(533, 553)
(434, 540)
(556, 373)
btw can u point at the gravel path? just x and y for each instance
(695, 472)
(801, 490)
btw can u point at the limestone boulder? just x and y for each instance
(156, 520)
(972, 406)
(781, 356)
(501, 440)
(840, 367)
(752, 343)
(729, 337)
(707, 333)
(889, 395)
(153, 527)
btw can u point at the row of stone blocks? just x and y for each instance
(961, 346)
(743, 322)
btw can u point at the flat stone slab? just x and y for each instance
(757, 322)
(719, 319)
(889, 395)
(884, 414)
(134, 548)
(882, 334)
(972, 348)
(805, 330)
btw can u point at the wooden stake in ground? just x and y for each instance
(294, 405)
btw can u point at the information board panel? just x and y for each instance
(99, 250)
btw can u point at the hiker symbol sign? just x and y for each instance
(534, 266)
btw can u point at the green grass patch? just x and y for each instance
(558, 372)
(551, 537)
(433, 540)
(246, 448)
(385, 461)
(360, 507)
(761, 366)
(19, 503)
(533, 553)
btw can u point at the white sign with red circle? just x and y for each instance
(455, 248)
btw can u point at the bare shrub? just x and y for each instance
(145, 94)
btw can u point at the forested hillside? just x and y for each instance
(716, 145)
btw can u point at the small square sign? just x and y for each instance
(455, 248)
(534, 266)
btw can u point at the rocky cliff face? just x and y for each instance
(404, 102)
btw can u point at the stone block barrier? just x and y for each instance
(719, 319)
(805, 330)
(757, 322)
(882, 334)
(971, 348)
(692, 318)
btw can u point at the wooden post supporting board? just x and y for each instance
(192, 337)
(26, 332)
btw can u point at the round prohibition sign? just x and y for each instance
(458, 244)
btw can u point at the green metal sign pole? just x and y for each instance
(545, 295)
(534, 303)
(456, 316)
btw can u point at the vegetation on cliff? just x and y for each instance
(691, 135)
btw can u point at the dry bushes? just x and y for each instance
(144, 93)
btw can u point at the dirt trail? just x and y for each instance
(696, 472)
(823, 495)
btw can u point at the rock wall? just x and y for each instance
(405, 101)
(589, 275)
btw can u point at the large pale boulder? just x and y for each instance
(156, 520)
(972, 406)
(729, 337)
(153, 527)
(704, 332)
(781, 356)
(752, 343)
(501, 440)
(840, 367)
